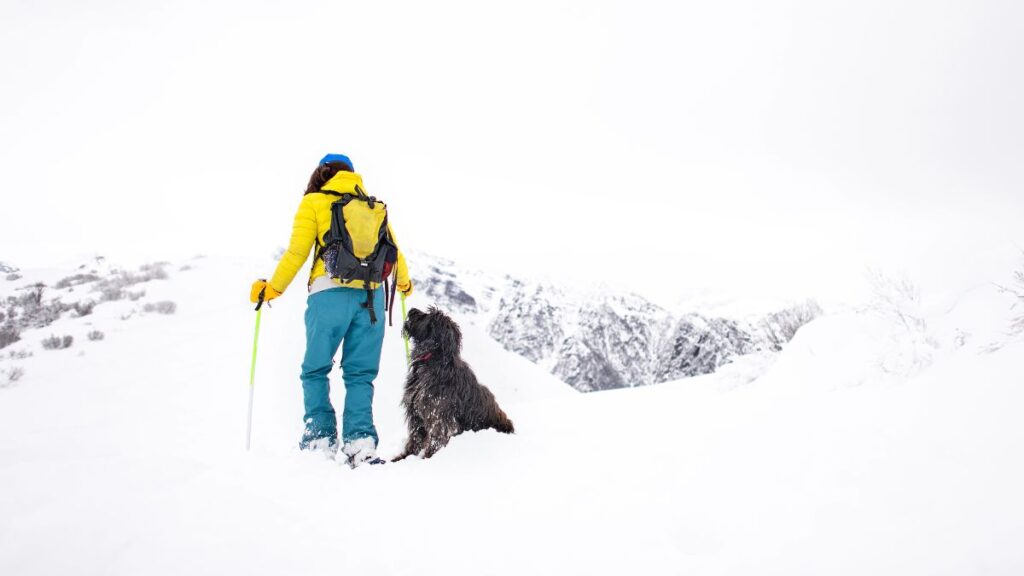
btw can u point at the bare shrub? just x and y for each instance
(75, 280)
(780, 327)
(28, 310)
(9, 334)
(1016, 289)
(19, 354)
(114, 287)
(111, 294)
(163, 307)
(43, 315)
(57, 342)
(1018, 323)
(897, 299)
(12, 375)
(95, 335)
(34, 295)
(154, 271)
(83, 308)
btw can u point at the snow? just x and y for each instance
(126, 456)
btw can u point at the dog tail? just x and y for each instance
(503, 424)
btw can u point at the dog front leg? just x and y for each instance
(414, 445)
(438, 436)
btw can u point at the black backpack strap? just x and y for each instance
(320, 247)
(394, 290)
(369, 302)
(386, 307)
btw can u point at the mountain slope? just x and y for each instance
(125, 456)
(601, 340)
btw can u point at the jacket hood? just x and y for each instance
(343, 183)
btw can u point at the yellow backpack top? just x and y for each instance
(358, 245)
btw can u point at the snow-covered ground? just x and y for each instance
(871, 445)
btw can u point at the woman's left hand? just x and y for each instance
(269, 293)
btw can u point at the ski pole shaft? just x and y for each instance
(405, 336)
(252, 374)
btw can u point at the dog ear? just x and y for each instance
(447, 335)
(417, 325)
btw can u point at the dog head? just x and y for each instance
(434, 331)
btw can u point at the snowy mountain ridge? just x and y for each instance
(601, 339)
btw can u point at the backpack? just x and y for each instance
(358, 245)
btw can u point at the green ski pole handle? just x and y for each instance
(405, 336)
(252, 370)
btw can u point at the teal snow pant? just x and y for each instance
(337, 317)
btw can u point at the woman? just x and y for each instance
(336, 315)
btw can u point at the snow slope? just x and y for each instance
(125, 456)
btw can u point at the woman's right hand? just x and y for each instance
(268, 291)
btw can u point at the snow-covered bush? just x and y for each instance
(133, 296)
(33, 295)
(30, 311)
(83, 308)
(95, 335)
(11, 375)
(154, 271)
(12, 277)
(111, 294)
(19, 354)
(9, 334)
(898, 300)
(114, 287)
(1017, 290)
(57, 342)
(15, 373)
(163, 307)
(75, 280)
(780, 327)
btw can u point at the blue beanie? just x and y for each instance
(338, 158)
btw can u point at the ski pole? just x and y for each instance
(405, 335)
(252, 370)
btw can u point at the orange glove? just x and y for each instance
(269, 293)
(405, 289)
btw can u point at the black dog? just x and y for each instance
(442, 396)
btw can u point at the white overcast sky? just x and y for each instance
(727, 146)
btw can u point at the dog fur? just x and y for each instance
(442, 395)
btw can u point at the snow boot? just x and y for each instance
(359, 452)
(326, 444)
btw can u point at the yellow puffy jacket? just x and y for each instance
(311, 224)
